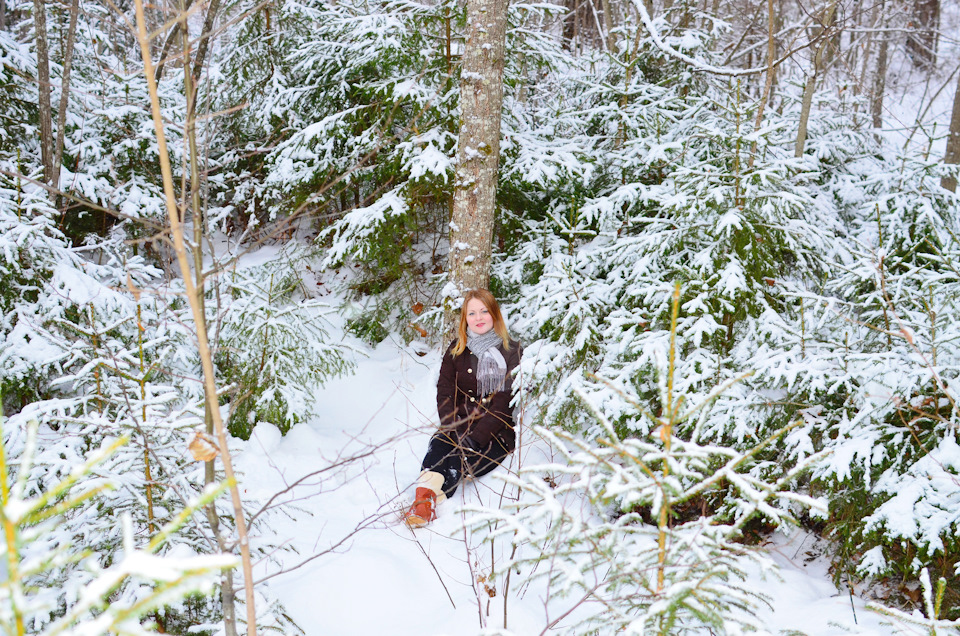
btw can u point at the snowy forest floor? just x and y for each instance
(375, 576)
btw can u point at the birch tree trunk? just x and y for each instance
(481, 100)
(952, 156)
(43, 80)
(608, 39)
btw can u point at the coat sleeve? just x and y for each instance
(447, 389)
(497, 414)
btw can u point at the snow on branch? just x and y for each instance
(699, 65)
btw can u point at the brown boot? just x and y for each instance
(423, 510)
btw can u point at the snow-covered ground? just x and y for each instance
(374, 576)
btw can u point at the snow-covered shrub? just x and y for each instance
(625, 528)
(355, 104)
(30, 248)
(96, 347)
(101, 364)
(832, 277)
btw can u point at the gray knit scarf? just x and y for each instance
(491, 367)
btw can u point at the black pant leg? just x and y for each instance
(482, 462)
(445, 457)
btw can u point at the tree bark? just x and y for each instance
(922, 41)
(875, 18)
(952, 156)
(205, 35)
(478, 154)
(569, 23)
(43, 80)
(808, 90)
(880, 79)
(608, 40)
(64, 90)
(165, 51)
(768, 83)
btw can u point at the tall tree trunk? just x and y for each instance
(191, 77)
(768, 83)
(818, 64)
(952, 156)
(481, 100)
(880, 79)
(569, 29)
(609, 40)
(64, 89)
(204, 45)
(43, 78)
(922, 40)
(875, 18)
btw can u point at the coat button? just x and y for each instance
(469, 370)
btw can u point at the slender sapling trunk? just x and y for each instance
(206, 359)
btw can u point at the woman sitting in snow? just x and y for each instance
(473, 400)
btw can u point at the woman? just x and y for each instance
(473, 400)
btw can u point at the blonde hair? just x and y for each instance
(499, 326)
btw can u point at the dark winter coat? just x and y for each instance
(463, 411)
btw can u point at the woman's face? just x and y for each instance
(478, 318)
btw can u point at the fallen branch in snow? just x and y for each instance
(362, 525)
(433, 565)
(340, 463)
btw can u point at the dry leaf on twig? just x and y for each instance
(202, 447)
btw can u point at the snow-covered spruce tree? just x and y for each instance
(110, 157)
(896, 464)
(648, 557)
(357, 117)
(31, 249)
(579, 157)
(742, 238)
(98, 365)
(865, 357)
(368, 95)
(271, 345)
(94, 347)
(106, 346)
(18, 101)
